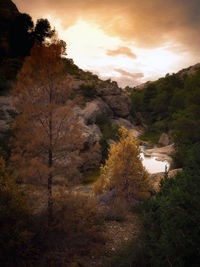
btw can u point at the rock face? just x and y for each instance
(128, 125)
(120, 104)
(115, 98)
(164, 140)
(92, 109)
(161, 150)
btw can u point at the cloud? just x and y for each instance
(122, 50)
(129, 74)
(145, 23)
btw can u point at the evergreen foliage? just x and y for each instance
(171, 219)
(171, 104)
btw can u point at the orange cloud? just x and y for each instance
(147, 23)
(126, 51)
(129, 74)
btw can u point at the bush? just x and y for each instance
(15, 221)
(117, 211)
(88, 91)
(76, 232)
(172, 231)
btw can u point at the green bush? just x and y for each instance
(88, 91)
(171, 219)
(109, 132)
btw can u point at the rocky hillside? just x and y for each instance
(103, 108)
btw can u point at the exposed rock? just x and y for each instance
(161, 150)
(157, 177)
(123, 122)
(164, 140)
(92, 133)
(106, 89)
(189, 71)
(172, 173)
(120, 104)
(128, 125)
(94, 108)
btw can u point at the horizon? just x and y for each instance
(128, 43)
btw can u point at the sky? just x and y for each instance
(129, 41)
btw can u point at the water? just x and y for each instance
(151, 163)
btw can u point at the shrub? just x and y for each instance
(15, 221)
(88, 91)
(76, 232)
(172, 231)
(117, 211)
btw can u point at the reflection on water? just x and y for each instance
(152, 164)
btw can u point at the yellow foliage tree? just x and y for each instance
(124, 170)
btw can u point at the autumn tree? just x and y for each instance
(47, 134)
(124, 170)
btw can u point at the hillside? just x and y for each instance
(171, 105)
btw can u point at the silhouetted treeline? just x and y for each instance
(17, 38)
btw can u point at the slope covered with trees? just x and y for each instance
(172, 105)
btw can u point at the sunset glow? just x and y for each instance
(126, 48)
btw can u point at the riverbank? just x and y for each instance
(161, 153)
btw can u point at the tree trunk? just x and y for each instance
(50, 197)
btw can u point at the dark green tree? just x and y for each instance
(43, 30)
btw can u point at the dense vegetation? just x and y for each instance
(109, 132)
(172, 231)
(20, 35)
(171, 104)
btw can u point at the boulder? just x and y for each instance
(164, 140)
(91, 133)
(106, 89)
(128, 125)
(120, 104)
(92, 109)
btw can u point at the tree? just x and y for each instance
(43, 30)
(124, 170)
(47, 134)
(170, 219)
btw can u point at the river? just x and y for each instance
(151, 163)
